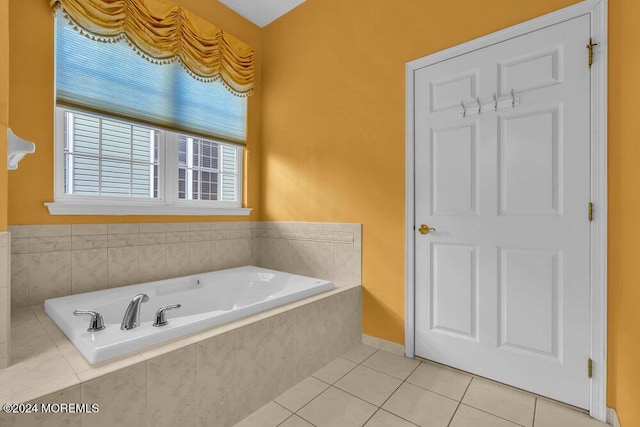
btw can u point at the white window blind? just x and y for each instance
(112, 79)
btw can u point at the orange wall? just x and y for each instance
(4, 106)
(32, 112)
(333, 141)
(624, 205)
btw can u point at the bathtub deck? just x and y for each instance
(45, 361)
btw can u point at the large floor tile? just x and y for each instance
(421, 406)
(335, 408)
(550, 414)
(444, 381)
(503, 401)
(359, 353)
(466, 416)
(335, 370)
(368, 384)
(295, 421)
(270, 415)
(301, 394)
(383, 418)
(391, 364)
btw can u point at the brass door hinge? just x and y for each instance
(590, 211)
(590, 368)
(590, 46)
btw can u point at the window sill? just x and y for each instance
(58, 208)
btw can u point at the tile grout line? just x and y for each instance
(394, 392)
(459, 403)
(493, 415)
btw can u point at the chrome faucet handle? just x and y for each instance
(96, 323)
(161, 318)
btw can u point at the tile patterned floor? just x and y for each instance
(374, 388)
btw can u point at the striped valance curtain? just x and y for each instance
(163, 32)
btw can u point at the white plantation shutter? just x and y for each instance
(229, 175)
(107, 157)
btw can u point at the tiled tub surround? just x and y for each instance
(5, 298)
(203, 301)
(213, 378)
(49, 261)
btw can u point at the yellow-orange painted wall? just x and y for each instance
(333, 141)
(624, 205)
(32, 112)
(4, 107)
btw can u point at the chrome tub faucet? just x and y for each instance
(131, 317)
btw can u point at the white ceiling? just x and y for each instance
(262, 12)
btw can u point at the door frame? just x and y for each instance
(597, 10)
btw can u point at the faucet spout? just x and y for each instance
(131, 317)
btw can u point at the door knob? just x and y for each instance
(425, 229)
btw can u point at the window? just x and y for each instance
(135, 137)
(122, 167)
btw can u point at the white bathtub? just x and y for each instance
(207, 300)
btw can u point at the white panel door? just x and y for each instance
(502, 284)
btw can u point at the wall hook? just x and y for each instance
(479, 104)
(464, 109)
(513, 98)
(495, 101)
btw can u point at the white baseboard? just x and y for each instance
(612, 418)
(385, 345)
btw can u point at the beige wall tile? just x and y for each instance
(177, 226)
(216, 381)
(155, 238)
(122, 229)
(178, 236)
(89, 241)
(4, 355)
(19, 231)
(5, 260)
(220, 254)
(199, 257)
(230, 253)
(177, 259)
(153, 262)
(49, 275)
(88, 229)
(312, 346)
(49, 243)
(345, 263)
(123, 240)
(5, 315)
(20, 245)
(19, 280)
(241, 252)
(264, 357)
(88, 270)
(49, 230)
(171, 388)
(152, 227)
(123, 268)
(122, 397)
(199, 226)
(68, 395)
